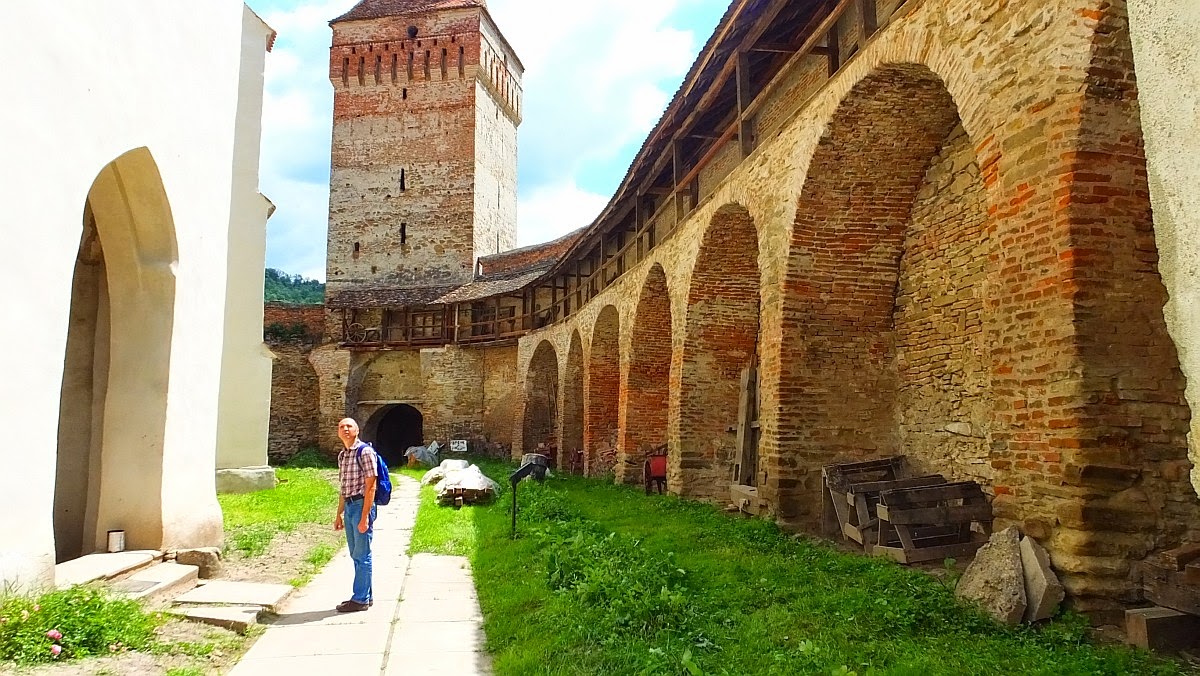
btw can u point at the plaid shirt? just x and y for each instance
(353, 470)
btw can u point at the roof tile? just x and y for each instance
(375, 9)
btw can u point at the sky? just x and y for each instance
(598, 74)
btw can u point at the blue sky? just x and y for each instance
(598, 75)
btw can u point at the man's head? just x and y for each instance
(348, 431)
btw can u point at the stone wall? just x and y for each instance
(295, 393)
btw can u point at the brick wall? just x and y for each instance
(645, 397)
(944, 401)
(721, 341)
(287, 315)
(603, 393)
(541, 401)
(571, 422)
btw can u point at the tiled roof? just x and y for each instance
(374, 9)
(495, 286)
(536, 255)
(389, 297)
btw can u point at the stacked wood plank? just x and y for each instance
(908, 518)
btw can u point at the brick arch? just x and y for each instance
(603, 393)
(720, 341)
(647, 384)
(571, 444)
(867, 298)
(541, 401)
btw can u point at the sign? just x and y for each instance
(458, 445)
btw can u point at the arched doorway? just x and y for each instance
(604, 393)
(572, 457)
(113, 399)
(393, 429)
(541, 403)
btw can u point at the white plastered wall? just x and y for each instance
(245, 403)
(1167, 59)
(96, 80)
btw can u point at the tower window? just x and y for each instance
(443, 64)
(404, 233)
(426, 64)
(403, 181)
(395, 63)
(461, 65)
(404, 94)
(357, 247)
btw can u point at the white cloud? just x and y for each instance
(551, 210)
(598, 74)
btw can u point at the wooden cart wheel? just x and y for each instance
(356, 333)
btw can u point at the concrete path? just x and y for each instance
(425, 619)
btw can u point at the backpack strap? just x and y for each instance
(358, 457)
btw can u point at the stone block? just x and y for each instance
(995, 580)
(207, 559)
(245, 479)
(1162, 629)
(1043, 591)
(1193, 573)
(1180, 557)
(233, 618)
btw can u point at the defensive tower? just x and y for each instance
(427, 100)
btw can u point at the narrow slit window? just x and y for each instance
(404, 94)
(403, 181)
(357, 248)
(426, 64)
(443, 64)
(461, 66)
(411, 55)
(378, 68)
(395, 64)
(404, 233)
(346, 71)
(362, 67)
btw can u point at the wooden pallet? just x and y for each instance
(931, 523)
(852, 492)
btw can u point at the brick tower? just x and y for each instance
(427, 100)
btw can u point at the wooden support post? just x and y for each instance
(745, 133)
(868, 10)
(676, 174)
(833, 42)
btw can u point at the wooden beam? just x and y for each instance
(833, 42)
(773, 47)
(868, 10)
(745, 133)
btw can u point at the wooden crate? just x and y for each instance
(931, 523)
(852, 492)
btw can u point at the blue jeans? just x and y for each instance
(360, 548)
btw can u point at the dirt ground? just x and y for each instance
(190, 648)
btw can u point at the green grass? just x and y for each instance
(253, 519)
(86, 622)
(605, 580)
(314, 561)
(185, 671)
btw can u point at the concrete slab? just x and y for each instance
(1043, 591)
(430, 609)
(307, 640)
(101, 567)
(370, 663)
(225, 593)
(234, 618)
(158, 582)
(414, 663)
(439, 637)
(245, 479)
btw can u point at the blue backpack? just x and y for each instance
(383, 480)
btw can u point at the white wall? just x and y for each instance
(108, 78)
(1166, 52)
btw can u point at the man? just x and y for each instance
(356, 510)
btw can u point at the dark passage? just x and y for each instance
(400, 427)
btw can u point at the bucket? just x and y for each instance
(116, 541)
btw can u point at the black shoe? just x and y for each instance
(352, 606)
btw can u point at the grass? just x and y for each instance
(252, 520)
(71, 623)
(603, 579)
(314, 561)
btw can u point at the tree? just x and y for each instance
(281, 287)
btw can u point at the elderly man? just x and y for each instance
(356, 510)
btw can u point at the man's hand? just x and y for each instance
(364, 524)
(337, 522)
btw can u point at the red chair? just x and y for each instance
(654, 471)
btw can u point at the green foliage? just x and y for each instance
(602, 579)
(253, 519)
(281, 287)
(311, 458)
(71, 623)
(279, 333)
(314, 561)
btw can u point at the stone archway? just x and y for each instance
(541, 403)
(603, 393)
(571, 455)
(647, 384)
(113, 401)
(885, 348)
(720, 344)
(393, 429)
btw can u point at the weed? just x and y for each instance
(311, 458)
(315, 560)
(185, 671)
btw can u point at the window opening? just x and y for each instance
(403, 181)
(346, 71)
(426, 64)
(362, 66)
(404, 233)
